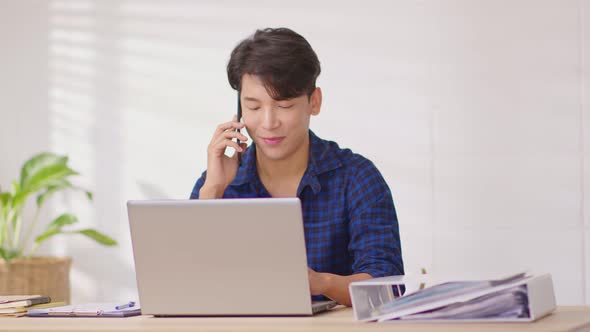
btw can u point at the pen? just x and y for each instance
(126, 305)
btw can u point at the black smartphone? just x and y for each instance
(239, 119)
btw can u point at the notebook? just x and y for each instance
(22, 311)
(18, 309)
(11, 301)
(86, 310)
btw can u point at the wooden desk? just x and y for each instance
(338, 320)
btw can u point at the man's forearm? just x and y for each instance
(336, 286)
(210, 193)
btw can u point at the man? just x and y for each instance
(350, 223)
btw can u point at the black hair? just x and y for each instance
(281, 58)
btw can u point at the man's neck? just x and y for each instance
(290, 168)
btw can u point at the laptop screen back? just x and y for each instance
(220, 257)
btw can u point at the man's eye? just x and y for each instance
(285, 106)
(254, 108)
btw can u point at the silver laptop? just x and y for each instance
(221, 257)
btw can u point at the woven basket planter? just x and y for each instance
(48, 276)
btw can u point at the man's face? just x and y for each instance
(278, 127)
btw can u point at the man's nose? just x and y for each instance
(270, 120)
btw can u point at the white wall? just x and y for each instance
(475, 112)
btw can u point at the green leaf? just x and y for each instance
(8, 254)
(61, 221)
(60, 185)
(98, 237)
(5, 198)
(37, 163)
(15, 187)
(48, 176)
(46, 235)
(55, 226)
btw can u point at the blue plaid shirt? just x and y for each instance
(348, 213)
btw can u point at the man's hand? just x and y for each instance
(221, 169)
(317, 282)
(333, 286)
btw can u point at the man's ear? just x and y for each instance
(316, 101)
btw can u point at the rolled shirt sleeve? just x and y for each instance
(374, 232)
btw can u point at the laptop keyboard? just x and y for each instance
(320, 306)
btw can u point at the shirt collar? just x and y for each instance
(322, 159)
(322, 156)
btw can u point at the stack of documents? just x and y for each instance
(509, 303)
(515, 298)
(18, 305)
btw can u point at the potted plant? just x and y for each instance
(20, 271)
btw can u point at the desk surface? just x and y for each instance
(337, 320)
